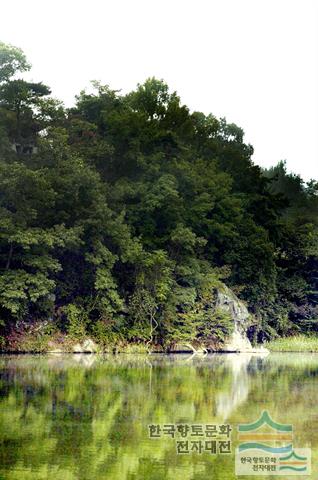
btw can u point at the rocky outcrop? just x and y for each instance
(88, 346)
(185, 347)
(227, 301)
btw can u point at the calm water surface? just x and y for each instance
(86, 417)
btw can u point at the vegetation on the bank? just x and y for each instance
(122, 215)
(297, 343)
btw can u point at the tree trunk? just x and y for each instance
(9, 257)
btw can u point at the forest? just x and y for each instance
(121, 215)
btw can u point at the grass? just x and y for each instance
(298, 343)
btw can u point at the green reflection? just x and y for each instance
(85, 417)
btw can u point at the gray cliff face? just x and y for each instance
(226, 300)
(230, 303)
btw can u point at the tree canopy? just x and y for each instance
(129, 210)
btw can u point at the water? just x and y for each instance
(86, 417)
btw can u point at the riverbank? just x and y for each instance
(65, 344)
(59, 343)
(45, 338)
(298, 343)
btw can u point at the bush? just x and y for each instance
(77, 320)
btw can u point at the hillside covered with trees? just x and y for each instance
(121, 215)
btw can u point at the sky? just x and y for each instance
(254, 62)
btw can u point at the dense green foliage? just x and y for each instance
(122, 215)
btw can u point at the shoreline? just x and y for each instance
(63, 344)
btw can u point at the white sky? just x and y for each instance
(254, 62)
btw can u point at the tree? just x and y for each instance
(21, 106)
(12, 60)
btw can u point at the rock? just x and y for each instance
(230, 303)
(53, 348)
(89, 346)
(77, 348)
(186, 348)
(182, 348)
(56, 350)
(237, 343)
